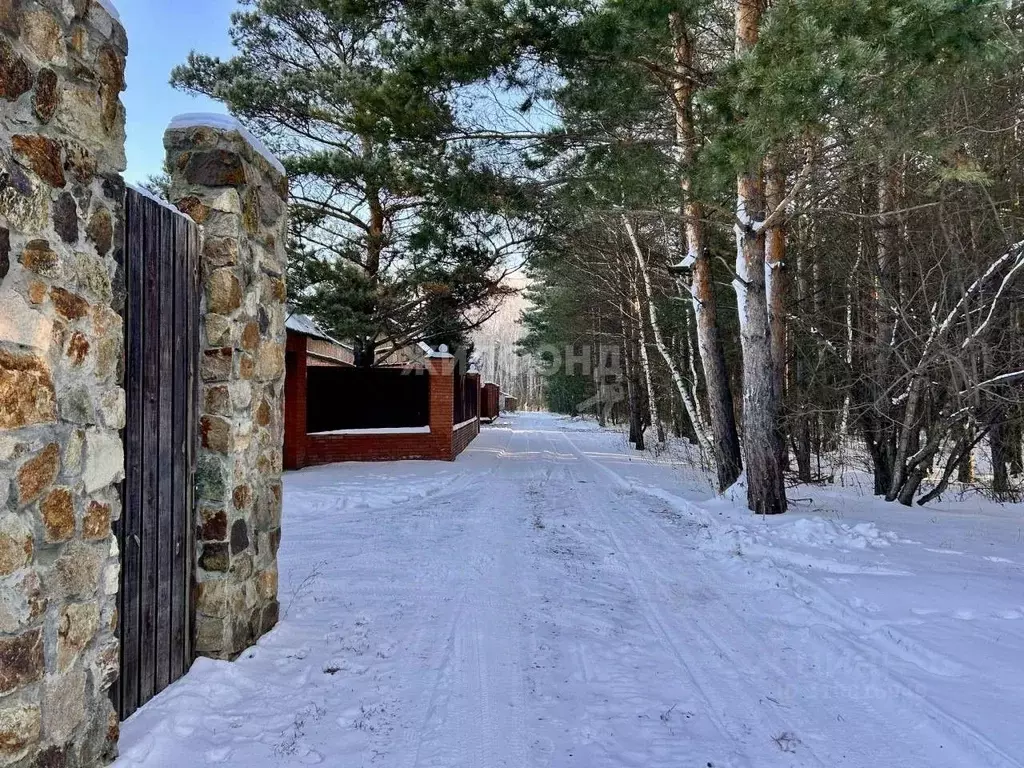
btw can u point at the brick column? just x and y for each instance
(225, 180)
(295, 385)
(441, 369)
(62, 404)
(473, 380)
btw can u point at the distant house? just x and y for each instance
(324, 350)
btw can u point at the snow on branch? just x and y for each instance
(1004, 378)
(743, 217)
(1013, 253)
(995, 301)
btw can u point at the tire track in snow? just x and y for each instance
(721, 710)
(869, 654)
(475, 709)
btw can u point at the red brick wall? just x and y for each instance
(464, 436)
(327, 449)
(439, 444)
(295, 444)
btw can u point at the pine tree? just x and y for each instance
(401, 231)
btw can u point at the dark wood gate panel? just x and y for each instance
(161, 382)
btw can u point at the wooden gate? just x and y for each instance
(155, 532)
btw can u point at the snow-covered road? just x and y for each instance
(551, 600)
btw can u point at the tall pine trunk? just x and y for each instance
(775, 278)
(645, 362)
(766, 489)
(366, 347)
(889, 474)
(775, 255)
(685, 393)
(721, 411)
(999, 447)
(636, 425)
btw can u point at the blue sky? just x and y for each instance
(161, 33)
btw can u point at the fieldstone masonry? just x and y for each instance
(222, 178)
(61, 401)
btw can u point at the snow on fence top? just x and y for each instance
(441, 353)
(109, 7)
(226, 123)
(157, 199)
(306, 325)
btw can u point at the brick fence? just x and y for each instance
(441, 440)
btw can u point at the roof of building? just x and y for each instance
(307, 326)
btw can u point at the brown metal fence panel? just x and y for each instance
(366, 398)
(465, 396)
(489, 408)
(155, 532)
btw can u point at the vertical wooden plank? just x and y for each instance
(131, 514)
(179, 478)
(150, 451)
(166, 454)
(157, 530)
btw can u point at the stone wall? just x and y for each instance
(232, 190)
(61, 400)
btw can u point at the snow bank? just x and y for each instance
(226, 123)
(819, 532)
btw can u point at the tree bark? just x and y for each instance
(766, 490)
(366, 348)
(636, 427)
(645, 362)
(721, 410)
(1000, 458)
(1015, 443)
(775, 256)
(886, 433)
(659, 342)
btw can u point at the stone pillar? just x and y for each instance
(61, 397)
(227, 182)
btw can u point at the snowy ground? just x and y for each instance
(552, 600)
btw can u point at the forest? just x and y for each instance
(793, 226)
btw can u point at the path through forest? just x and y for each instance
(552, 600)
